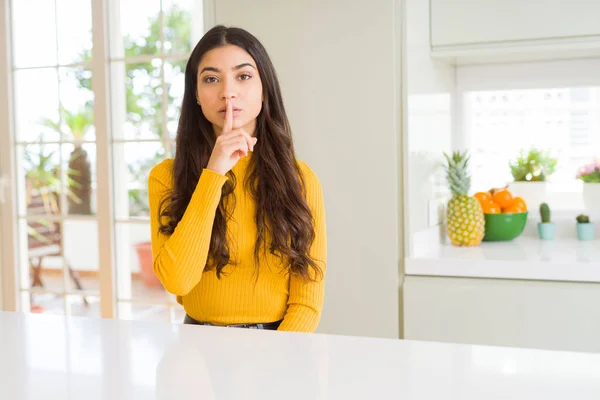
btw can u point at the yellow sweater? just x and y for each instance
(237, 297)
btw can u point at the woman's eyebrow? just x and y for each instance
(213, 69)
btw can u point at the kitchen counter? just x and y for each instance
(54, 357)
(526, 258)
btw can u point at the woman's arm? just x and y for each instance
(179, 259)
(306, 297)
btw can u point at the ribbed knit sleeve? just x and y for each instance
(306, 297)
(179, 259)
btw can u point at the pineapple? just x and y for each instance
(464, 220)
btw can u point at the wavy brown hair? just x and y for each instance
(274, 180)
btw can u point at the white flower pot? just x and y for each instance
(534, 193)
(591, 196)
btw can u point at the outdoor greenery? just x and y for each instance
(144, 99)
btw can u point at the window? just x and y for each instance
(55, 155)
(499, 123)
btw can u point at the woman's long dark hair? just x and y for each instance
(274, 177)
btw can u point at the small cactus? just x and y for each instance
(583, 219)
(545, 212)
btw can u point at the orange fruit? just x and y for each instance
(519, 202)
(512, 209)
(494, 190)
(491, 208)
(503, 198)
(483, 197)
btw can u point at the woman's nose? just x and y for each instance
(229, 90)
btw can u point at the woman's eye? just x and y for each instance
(210, 79)
(245, 77)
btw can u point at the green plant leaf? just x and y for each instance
(532, 166)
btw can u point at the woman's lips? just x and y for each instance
(236, 112)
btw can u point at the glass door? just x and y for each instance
(55, 157)
(68, 174)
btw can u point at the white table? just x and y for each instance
(52, 357)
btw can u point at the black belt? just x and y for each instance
(272, 326)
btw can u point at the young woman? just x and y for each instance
(238, 223)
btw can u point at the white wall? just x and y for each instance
(431, 85)
(338, 63)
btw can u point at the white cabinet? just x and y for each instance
(463, 27)
(516, 313)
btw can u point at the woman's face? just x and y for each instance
(229, 73)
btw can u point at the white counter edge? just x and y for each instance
(500, 269)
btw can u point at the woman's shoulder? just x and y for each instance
(310, 176)
(163, 171)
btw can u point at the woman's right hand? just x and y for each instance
(231, 145)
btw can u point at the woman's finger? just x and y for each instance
(228, 125)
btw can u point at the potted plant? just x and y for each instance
(590, 175)
(585, 229)
(546, 228)
(76, 125)
(530, 171)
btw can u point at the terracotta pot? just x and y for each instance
(144, 251)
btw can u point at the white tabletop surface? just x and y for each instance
(52, 357)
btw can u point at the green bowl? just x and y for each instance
(500, 227)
